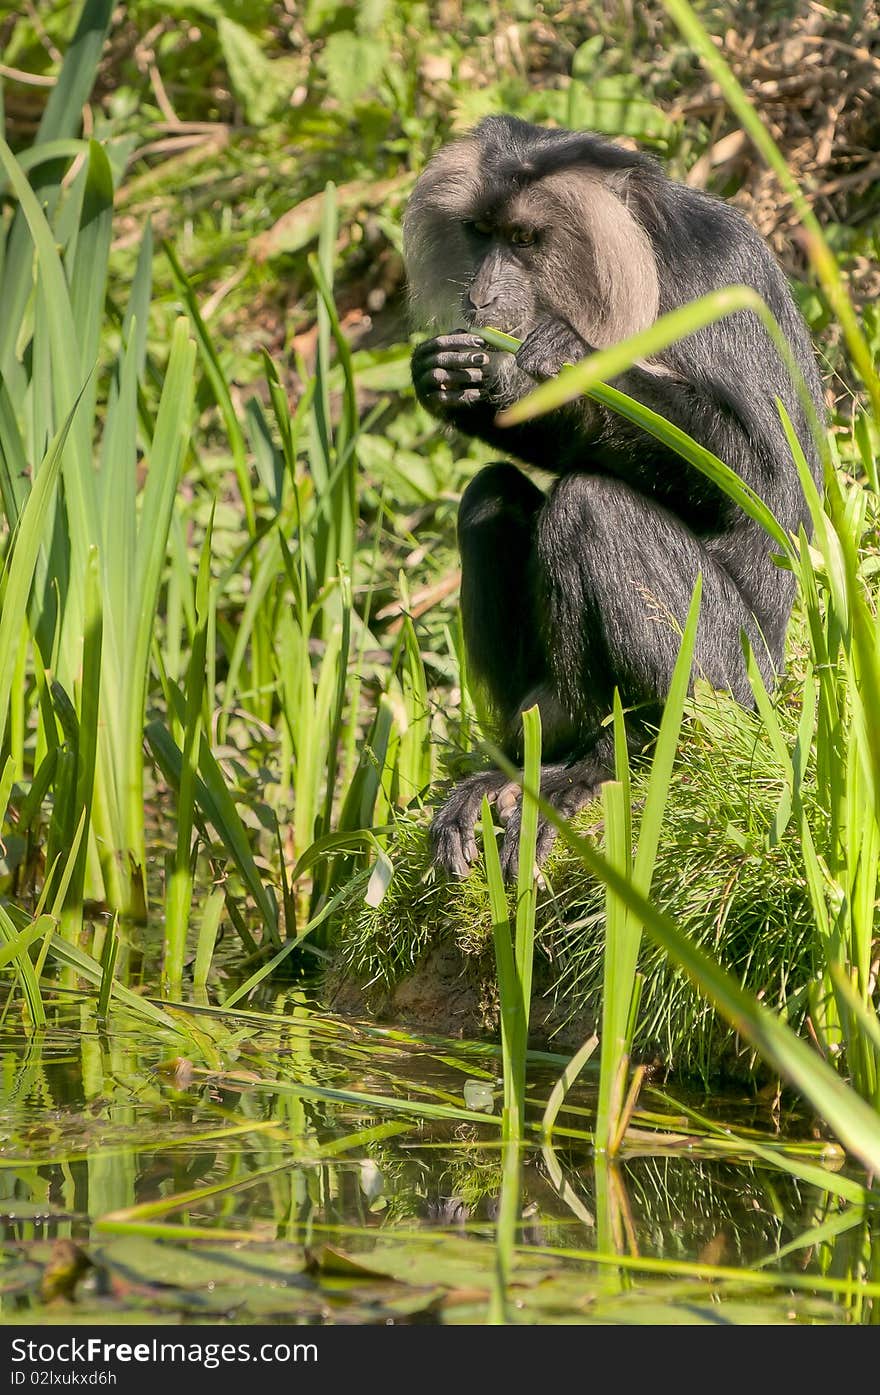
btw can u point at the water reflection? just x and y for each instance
(127, 1156)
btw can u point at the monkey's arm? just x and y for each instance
(453, 380)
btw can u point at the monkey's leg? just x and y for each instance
(615, 575)
(496, 528)
(496, 537)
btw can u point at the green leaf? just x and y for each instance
(351, 64)
(257, 83)
(63, 113)
(88, 277)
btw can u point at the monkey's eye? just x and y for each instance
(523, 237)
(481, 227)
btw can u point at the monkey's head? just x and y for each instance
(514, 223)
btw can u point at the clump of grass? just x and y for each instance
(733, 882)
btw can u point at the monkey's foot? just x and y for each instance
(451, 836)
(567, 787)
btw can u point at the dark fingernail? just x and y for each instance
(479, 360)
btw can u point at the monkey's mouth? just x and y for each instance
(505, 324)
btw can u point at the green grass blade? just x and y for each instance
(323, 432)
(12, 949)
(703, 460)
(852, 1119)
(527, 881)
(88, 275)
(209, 924)
(28, 539)
(569, 1075)
(622, 935)
(116, 480)
(88, 968)
(178, 900)
(61, 120)
(219, 387)
(170, 443)
(87, 740)
(64, 376)
(587, 378)
(16, 943)
(70, 93)
(14, 486)
(509, 993)
(666, 747)
(108, 968)
(216, 805)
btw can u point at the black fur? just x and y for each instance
(569, 594)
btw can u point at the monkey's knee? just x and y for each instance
(584, 541)
(499, 496)
(587, 510)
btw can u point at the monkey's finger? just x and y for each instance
(507, 801)
(451, 836)
(538, 364)
(458, 341)
(509, 856)
(458, 362)
(509, 851)
(467, 360)
(469, 848)
(443, 396)
(546, 839)
(448, 852)
(451, 377)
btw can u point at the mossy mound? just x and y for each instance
(731, 879)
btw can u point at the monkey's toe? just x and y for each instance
(452, 835)
(453, 850)
(506, 801)
(509, 852)
(568, 789)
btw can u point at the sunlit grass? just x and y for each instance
(195, 656)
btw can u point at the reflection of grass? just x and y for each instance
(249, 1192)
(741, 899)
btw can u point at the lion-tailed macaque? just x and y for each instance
(571, 243)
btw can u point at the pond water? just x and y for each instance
(290, 1165)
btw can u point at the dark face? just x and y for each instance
(503, 290)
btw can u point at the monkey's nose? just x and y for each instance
(480, 300)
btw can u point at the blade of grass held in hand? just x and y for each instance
(677, 324)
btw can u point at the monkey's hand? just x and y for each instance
(451, 372)
(548, 347)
